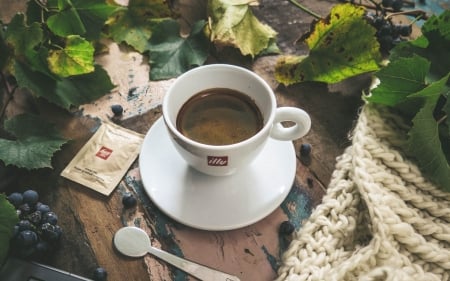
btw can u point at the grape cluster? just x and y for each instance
(37, 232)
(388, 33)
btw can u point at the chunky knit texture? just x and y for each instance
(380, 219)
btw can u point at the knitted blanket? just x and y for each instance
(380, 219)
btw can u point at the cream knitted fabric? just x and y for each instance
(380, 219)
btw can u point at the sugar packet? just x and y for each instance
(105, 158)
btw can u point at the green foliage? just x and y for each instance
(171, 54)
(403, 77)
(232, 23)
(341, 46)
(134, 24)
(416, 81)
(65, 92)
(76, 57)
(8, 218)
(50, 51)
(66, 21)
(36, 141)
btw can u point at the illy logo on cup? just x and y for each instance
(217, 160)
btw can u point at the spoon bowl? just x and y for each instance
(132, 241)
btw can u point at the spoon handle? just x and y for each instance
(199, 271)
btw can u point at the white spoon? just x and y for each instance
(134, 242)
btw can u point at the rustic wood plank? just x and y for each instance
(89, 220)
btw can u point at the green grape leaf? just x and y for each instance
(341, 46)
(93, 14)
(133, 25)
(171, 54)
(76, 58)
(437, 31)
(424, 141)
(37, 60)
(21, 37)
(8, 218)
(36, 142)
(432, 45)
(232, 23)
(65, 92)
(29, 125)
(399, 79)
(66, 21)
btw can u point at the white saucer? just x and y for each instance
(215, 203)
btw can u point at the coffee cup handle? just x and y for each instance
(299, 129)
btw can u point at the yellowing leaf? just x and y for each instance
(341, 46)
(76, 58)
(232, 23)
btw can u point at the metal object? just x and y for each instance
(134, 242)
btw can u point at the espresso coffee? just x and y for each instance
(219, 116)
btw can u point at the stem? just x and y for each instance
(303, 8)
(441, 119)
(40, 4)
(419, 14)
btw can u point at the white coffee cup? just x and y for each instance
(221, 160)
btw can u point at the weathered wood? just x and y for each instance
(89, 219)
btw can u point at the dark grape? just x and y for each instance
(24, 209)
(378, 22)
(385, 29)
(305, 149)
(386, 42)
(27, 238)
(404, 30)
(128, 200)
(286, 228)
(50, 217)
(50, 232)
(117, 109)
(25, 225)
(31, 197)
(100, 274)
(397, 5)
(43, 208)
(16, 199)
(35, 217)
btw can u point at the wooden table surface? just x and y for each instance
(89, 219)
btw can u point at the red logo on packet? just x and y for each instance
(217, 160)
(104, 153)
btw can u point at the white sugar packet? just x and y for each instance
(105, 158)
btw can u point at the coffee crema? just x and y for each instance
(219, 116)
